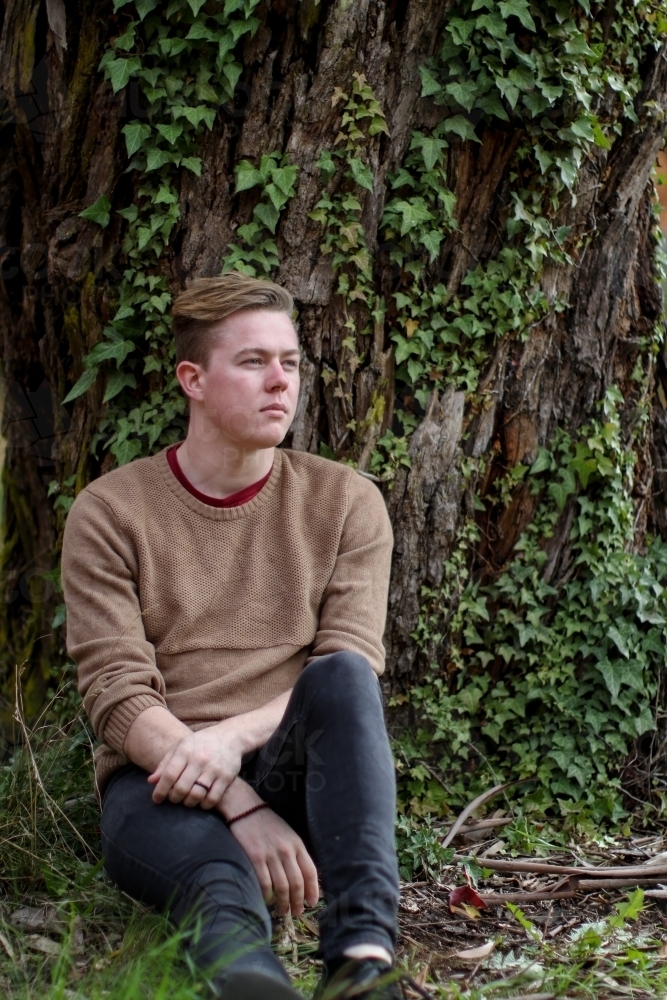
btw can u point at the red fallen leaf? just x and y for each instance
(465, 894)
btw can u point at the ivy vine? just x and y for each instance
(184, 61)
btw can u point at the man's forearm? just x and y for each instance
(152, 734)
(254, 728)
(155, 731)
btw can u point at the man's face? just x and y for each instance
(250, 386)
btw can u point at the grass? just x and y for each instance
(89, 941)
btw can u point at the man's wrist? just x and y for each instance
(237, 736)
(238, 798)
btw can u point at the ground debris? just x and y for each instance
(574, 908)
(36, 918)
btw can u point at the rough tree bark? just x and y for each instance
(63, 147)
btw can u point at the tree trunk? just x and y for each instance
(591, 326)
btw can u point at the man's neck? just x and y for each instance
(220, 469)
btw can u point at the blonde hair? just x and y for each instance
(209, 300)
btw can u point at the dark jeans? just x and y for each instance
(328, 771)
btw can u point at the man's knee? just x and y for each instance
(343, 677)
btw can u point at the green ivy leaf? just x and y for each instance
(284, 178)
(542, 463)
(378, 125)
(199, 31)
(152, 364)
(415, 370)
(116, 382)
(361, 173)
(600, 138)
(431, 150)
(430, 83)
(464, 93)
(620, 640)
(192, 163)
(232, 72)
(460, 126)
(136, 134)
(517, 8)
(326, 165)
(432, 240)
(131, 213)
(614, 675)
(156, 158)
(413, 212)
(247, 176)
(559, 492)
(126, 451)
(120, 71)
(82, 385)
(108, 351)
(578, 46)
(125, 42)
(277, 197)
(196, 5)
(583, 129)
(145, 7)
(195, 115)
(267, 214)
(170, 132)
(99, 212)
(492, 105)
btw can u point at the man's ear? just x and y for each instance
(189, 376)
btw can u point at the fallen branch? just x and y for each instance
(500, 898)
(618, 883)
(544, 868)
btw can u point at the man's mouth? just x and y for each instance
(275, 408)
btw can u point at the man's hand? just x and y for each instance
(200, 767)
(284, 869)
(177, 758)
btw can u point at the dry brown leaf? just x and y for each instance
(310, 924)
(496, 848)
(77, 945)
(408, 906)
(662, 950)
(36, 918)
(43, 944)
(476, 954)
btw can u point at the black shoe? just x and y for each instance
(359, 979)
(257, 986)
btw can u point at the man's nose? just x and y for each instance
(276, 378)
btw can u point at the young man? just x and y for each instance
(226, 601)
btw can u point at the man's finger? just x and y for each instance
(170, 774)
(309, 872)
(264, 878)
(185, 782)
(217, 789)
(296, 882)
(199, 791)
(281, 886)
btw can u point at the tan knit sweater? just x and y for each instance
(209, 611)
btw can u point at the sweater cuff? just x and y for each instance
(122, 717)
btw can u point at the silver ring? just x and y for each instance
(202, 785)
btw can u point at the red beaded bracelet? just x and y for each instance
(248, 812)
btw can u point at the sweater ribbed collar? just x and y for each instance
(219, 513)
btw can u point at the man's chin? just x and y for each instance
(269, 437)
